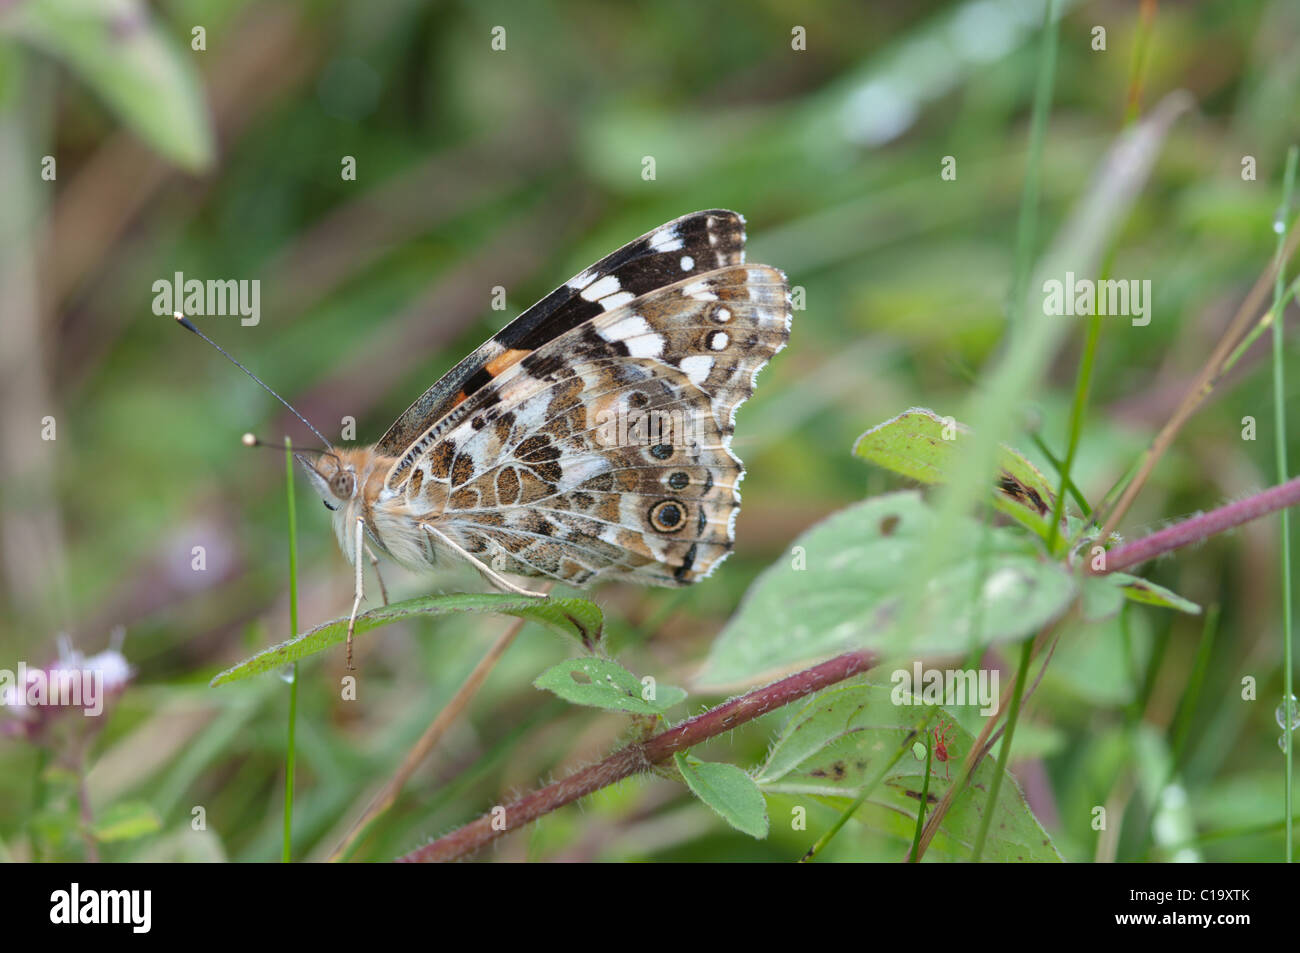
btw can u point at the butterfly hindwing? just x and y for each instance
(607, 451)
(695, 243)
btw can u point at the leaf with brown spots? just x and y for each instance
(841, 737)
(921, 445)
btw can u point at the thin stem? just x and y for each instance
(1138, 64)
(641, 757)
(387, 795)
(285, 854)
(924, 801)
(1004, 756)
(1083, 384)
(1279, 417)
(861, 799)
(1074, 491)
(1265, 322)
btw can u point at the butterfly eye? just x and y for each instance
(341, 484)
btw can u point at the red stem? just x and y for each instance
(1200, 527)
(639, 757)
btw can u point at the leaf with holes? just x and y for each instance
(843, 589)
(841, 737)
(577, 618)
(601, 683)
(921, 445)
(729, 791)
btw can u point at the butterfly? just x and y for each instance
(590, 439)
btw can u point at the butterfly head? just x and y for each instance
(333, 475)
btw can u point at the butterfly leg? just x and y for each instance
(374, 561)
(360, 592)
(494, 577)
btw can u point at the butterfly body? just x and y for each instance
(591, 438)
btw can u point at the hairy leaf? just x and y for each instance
(731, 793)
(602, 683)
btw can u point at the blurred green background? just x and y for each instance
(478, 168)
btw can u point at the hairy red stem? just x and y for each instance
(639, 757)
(1201, 527)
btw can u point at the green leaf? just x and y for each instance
(601, 683)
(922, 446)
(572, 617)
(126, 821)
(842, 736)
(843, 586)
(1148, 593)
(119, 52)
(1103, 597)
(732, 793)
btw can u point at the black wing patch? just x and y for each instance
(693, 244)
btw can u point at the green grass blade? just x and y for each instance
(293, 623)
(1279, 408)
(1004, 755)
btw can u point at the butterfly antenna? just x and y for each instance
(189, 326)
(251, 440)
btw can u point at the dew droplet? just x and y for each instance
(1280, 714)
(1282, 739)
(286, 674)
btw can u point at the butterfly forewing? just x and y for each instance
(607, 449)
(693, 244)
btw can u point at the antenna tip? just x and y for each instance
(249, 440)
(178, 316)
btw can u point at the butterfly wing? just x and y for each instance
(695, 243)
(608, 450)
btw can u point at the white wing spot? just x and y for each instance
(718, 340)
(636, 334)
(610, 302)
(722, 315)
(687, 263)
(627, 328)
(697, 367)
(666, 239)
(646, 345)
(699, 290)
(605, 286)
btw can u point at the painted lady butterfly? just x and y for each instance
(589, 439)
